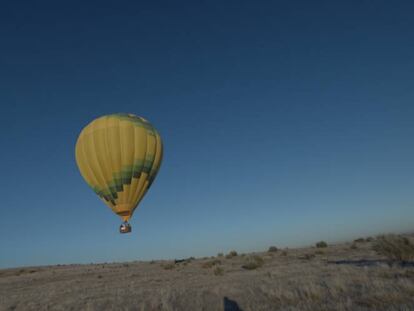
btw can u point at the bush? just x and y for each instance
(168, 266)
(395, 247)
(284, 253)
(250, 265)
(353, 246)
(211, 263)
(259, 260)
(231, 254)
(359, 240)
(220, 255)
(253, 263)
(218, 271)
(321, 244)
(184, 261)
(272, 249)
(307, 256)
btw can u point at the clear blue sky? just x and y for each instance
(284, 123)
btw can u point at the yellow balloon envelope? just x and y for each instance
(119, 156)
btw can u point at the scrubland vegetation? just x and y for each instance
(366, 274)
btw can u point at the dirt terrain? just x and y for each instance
(349, 276)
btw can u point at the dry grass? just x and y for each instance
(341, 279)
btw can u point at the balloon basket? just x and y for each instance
(125, 228)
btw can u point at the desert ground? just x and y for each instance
(348, 276)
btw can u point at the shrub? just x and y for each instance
(353, 246)
(395, 247)
(359, 240)
(409, 274)
(211, 263)
(259, 260)
(284, 253)
(220, 255)
(369, 239)
(168, 266)
(321, 244)
(250, 265)
(218, 271)
(231, 254)
(307, 256)
(253, 263)
(272, 249)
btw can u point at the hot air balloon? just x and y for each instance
(119, 156)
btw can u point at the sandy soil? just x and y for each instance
(339, 277)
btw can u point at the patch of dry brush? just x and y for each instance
(396, 248)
